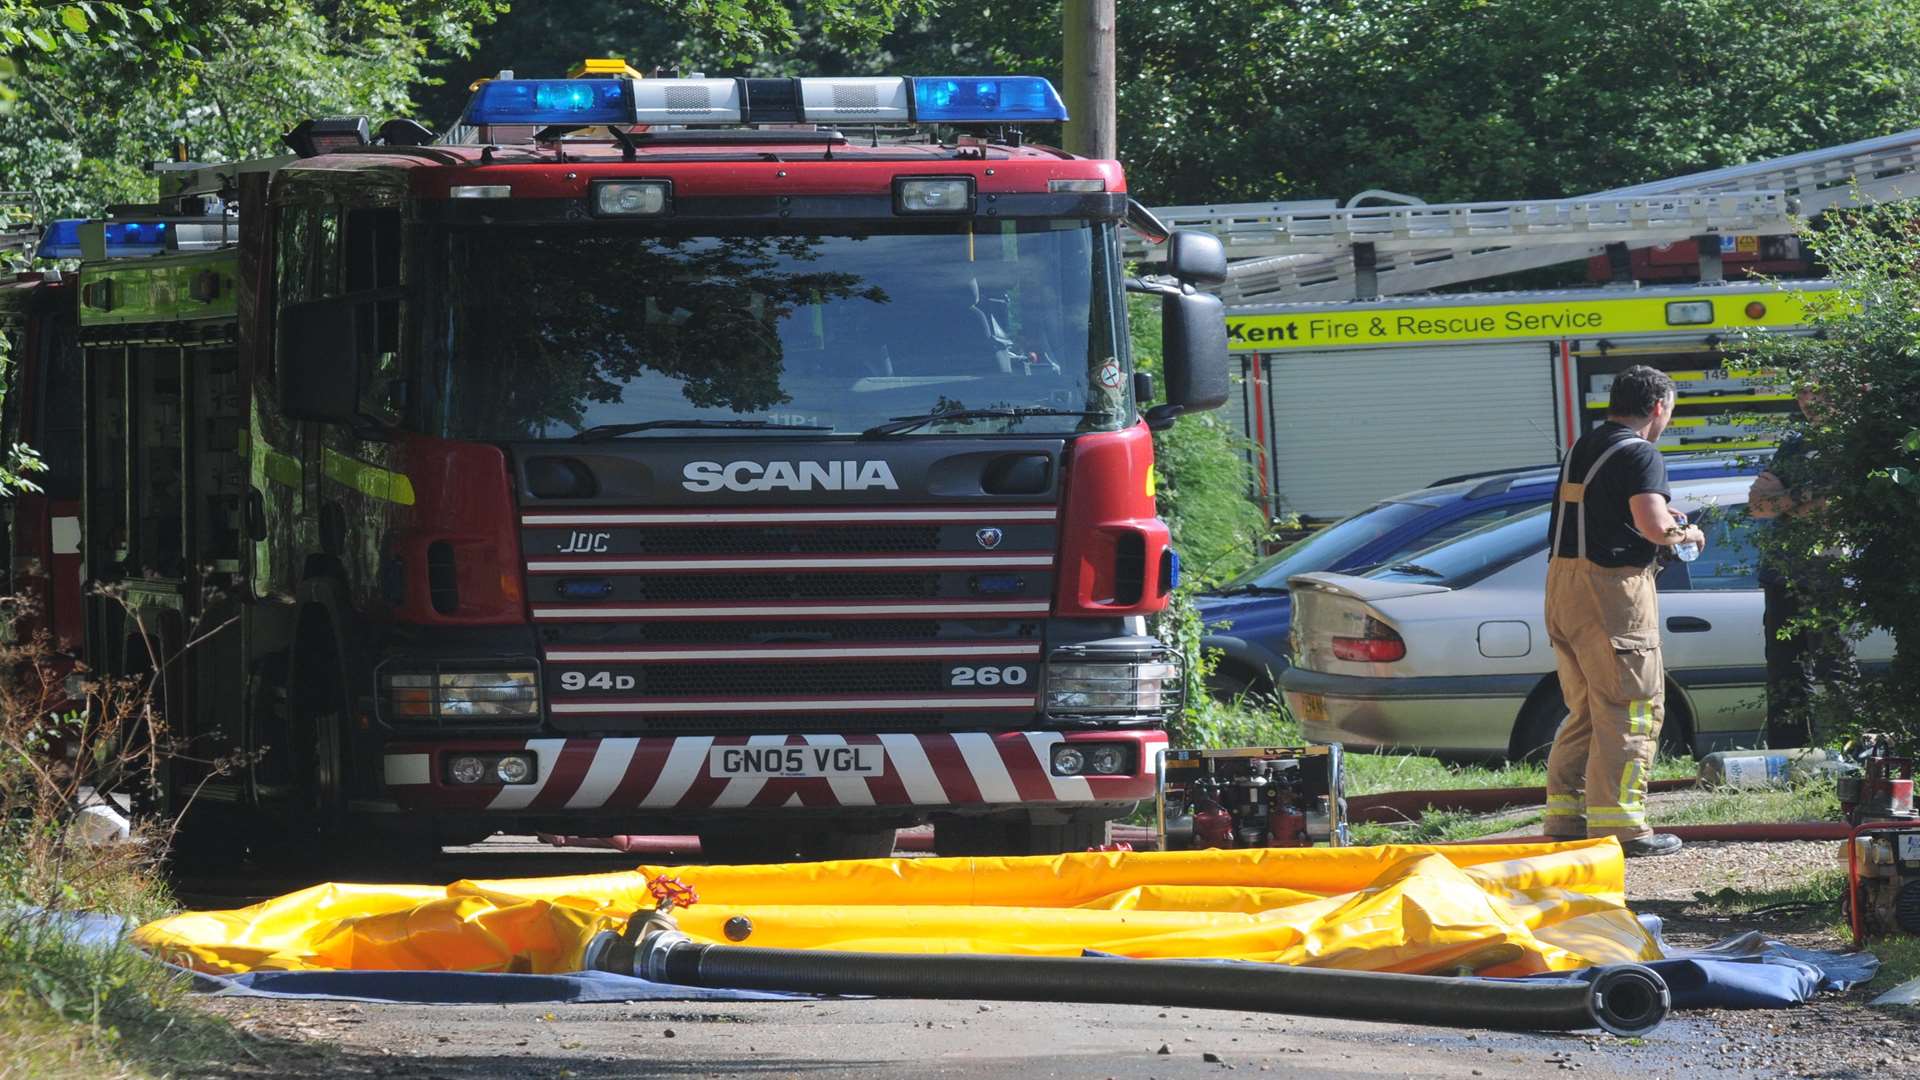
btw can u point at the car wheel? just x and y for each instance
(1229, 685)
(1540, 720)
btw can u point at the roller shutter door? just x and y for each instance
(1350, 428)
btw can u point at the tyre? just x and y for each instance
(990, 836)
(739, 847)
(847, 844)
(961, 837)
(1061, 839)
(1228, 685)
(1546, 711)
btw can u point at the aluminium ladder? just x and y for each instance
(1297, 253)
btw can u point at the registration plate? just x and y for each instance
(1313, 707)
(753, 762)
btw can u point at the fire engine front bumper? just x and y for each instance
(706, 777)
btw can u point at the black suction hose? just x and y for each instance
(1625, 999)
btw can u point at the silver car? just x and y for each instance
(1447, 652)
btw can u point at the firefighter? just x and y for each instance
(1603, 617)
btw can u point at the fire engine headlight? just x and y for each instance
(1068, 761)
(1146, 687)
(631, 198)
(1106, 760)
(933, 195)
(458, 696)
(514, 769)
(466, 769)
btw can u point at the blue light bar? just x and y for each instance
(1003, 99)
(136, 237)
(552, 101)
(62, 239)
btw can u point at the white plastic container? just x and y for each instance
(1772, 768)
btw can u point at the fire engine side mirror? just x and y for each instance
(318, 360)
(1193, 341)
(1196, 257)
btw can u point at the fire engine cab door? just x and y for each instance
(1352, 427)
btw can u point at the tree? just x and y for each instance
(1447, 99)
(103, 89)
(672, 35)
(1854, 560)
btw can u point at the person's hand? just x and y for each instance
(1693, 535)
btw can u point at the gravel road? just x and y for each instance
(1836, 1037)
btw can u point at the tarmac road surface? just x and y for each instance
(948, 1039)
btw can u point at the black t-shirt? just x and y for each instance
(1792, 461)
(1635, 469)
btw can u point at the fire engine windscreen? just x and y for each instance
(556, 332)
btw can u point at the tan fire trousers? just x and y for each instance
(1604, 625)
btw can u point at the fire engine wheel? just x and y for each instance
(847, 844)
(994, 836)
(742, 846)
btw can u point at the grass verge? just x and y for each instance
(1263, 721)
(72, 1011)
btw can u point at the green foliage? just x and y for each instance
(709, 36)
(1853, 559)
(1225, 100)
(94, 107)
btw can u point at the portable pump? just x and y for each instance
(1251, 797)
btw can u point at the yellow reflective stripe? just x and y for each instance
(282, 469)
(1633, 785)
(1640, 717)
(369, 480)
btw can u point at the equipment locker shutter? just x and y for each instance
(1350, 428)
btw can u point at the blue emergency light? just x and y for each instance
(945, 99)
(1008, 99)
(552, 101)
(62, 239)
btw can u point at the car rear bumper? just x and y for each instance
(1466, 714)
(681, 778)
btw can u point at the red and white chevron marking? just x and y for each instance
(633, 773)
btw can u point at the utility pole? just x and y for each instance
(1086, 28)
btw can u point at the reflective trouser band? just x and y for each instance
(1633, 785)
(1565, 806)
(1640, 717)
(1616, 817)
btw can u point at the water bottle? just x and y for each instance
(1773, 768)
(1684, 552)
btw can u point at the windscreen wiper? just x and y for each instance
(900, 424)
(614, 431)
(1415, 569)
(1251, 590)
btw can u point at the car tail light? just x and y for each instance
(1381, 644)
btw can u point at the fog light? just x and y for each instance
(933, 195)
(514, 769)
(1068, 761)
(466, 769)
(631, 198)
(1107, 760)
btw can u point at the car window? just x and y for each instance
(1454, 529)
(1466, 559)
(1330, 546)
(1729, 561)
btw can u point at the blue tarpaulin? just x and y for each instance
(1745, 971)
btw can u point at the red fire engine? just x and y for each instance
(760, 458)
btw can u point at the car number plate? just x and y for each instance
(1313, 707)
(754, 762)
